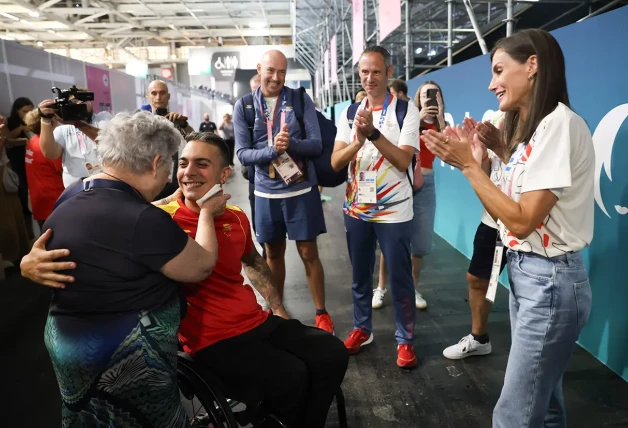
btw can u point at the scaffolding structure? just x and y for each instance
(429, 30)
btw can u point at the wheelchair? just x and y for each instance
(208, 407)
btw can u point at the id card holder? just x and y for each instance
(287, 168)
(497, 264)
(93, 169)
(367, 187)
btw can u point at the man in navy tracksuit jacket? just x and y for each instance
(294, 209)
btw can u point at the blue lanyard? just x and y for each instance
(382, 118)
(265, 110)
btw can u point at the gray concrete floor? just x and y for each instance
(439, 393)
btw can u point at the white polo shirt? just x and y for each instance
(80, 157)
(559, 157)
(394, 191)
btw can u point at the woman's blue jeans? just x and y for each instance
(550, 302)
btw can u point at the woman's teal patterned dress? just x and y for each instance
(117, 371)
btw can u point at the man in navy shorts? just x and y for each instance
(478, 276)
(287, 200)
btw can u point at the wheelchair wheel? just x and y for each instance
(208, 408)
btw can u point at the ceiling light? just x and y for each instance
(6, 38)
(24, 21)
(33, 14)
(109, 57)
(173, 56)
(40, 44)
(258, 25)
(8, 15)
(52, 31)
(171, 27)
(418, 51)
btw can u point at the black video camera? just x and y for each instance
(68, 109)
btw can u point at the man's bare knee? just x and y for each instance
(308, 250)
(275, 250)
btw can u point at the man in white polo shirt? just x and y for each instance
(74, 141)
(378, 201)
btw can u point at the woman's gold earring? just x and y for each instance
(530, 76)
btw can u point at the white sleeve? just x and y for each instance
(409, 135)
(59, 134)
(343, 132)
(548, 166)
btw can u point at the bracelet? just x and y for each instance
(46, 122)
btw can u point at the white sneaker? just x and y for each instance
(419, 300)
(378, 297)
(467, 347)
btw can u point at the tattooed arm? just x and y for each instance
(259, 273)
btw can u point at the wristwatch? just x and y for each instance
(375, 135)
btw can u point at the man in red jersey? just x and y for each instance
(295, 370)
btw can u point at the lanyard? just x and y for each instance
(382, 118)
(270, 120)
(81, 142)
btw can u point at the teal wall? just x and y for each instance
(339, 108)
(596, 59)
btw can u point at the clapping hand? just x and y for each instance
(490, 136)
(364, 122)
(453, 145)
(282, 140)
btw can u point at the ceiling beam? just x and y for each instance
(127, 20)
(52, 17)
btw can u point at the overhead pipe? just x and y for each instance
(476, 28)
(509, 18)
(408, 41)
(450, 24)
(600, 10)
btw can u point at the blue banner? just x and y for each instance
(596, 60)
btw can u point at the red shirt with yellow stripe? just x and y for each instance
(221, 306)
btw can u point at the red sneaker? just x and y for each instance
(324, 322)
(406, 359)
(356, 339)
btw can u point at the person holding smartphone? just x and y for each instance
(429, 101)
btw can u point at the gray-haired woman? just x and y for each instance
(112, 333)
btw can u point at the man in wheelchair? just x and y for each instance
(293, 369)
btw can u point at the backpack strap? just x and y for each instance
(248, 108)
(401, 110)
(298, 108)
(351, 112)
(96, 183)
(69, 193)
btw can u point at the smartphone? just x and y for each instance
(161, 111)
(432, 100)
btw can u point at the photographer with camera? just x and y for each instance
(75, 138)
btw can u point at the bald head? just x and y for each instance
(272, 71)
(158, 94)
(255, 82)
